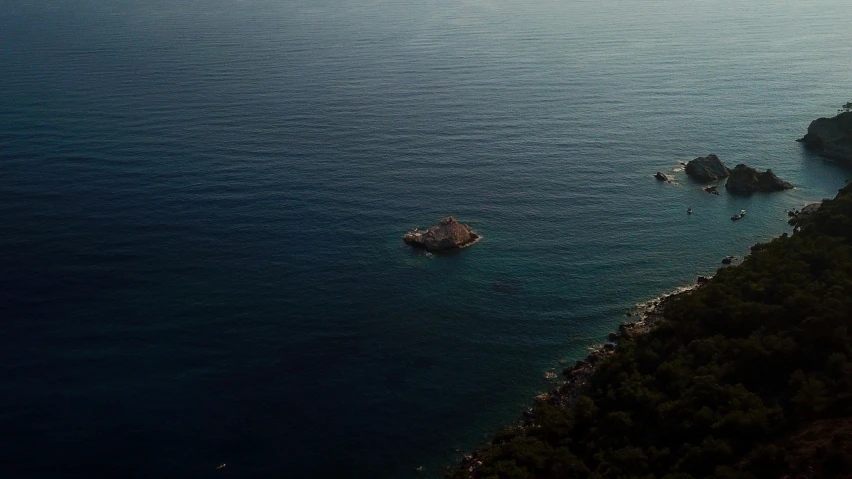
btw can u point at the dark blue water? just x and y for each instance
(202, 205)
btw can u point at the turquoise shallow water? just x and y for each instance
(202, 207)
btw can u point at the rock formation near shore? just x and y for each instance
(831, 137)
(707, 168)
(745, 179)
(448, 235)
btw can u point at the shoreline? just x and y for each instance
(576, 378)
(650, 314)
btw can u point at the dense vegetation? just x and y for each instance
(750, 377)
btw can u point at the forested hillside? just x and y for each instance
(749, 377)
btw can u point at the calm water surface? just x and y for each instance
(202, 205)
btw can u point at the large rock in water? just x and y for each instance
(707, 168)
(831, 137)
(745, 179)
(449, 234)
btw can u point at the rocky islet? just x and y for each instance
(831, 137)
(745, 179)
(707, 168)
(447, 235)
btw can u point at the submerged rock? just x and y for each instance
(449, 234)
(831, 137)
(713, 190)
(661, 176)
(745, 179)
(707, 168)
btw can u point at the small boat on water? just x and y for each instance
(738, 216)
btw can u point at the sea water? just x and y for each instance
(203, 204)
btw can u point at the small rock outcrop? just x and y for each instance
(745, 179)
(810, 208)
(713, 190)
(448, 235)
(798, 218)
(804, 212)
(707, 168)
(831, 137)
(661, 176)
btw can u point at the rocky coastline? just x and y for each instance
(832, 138)
(649, 315)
